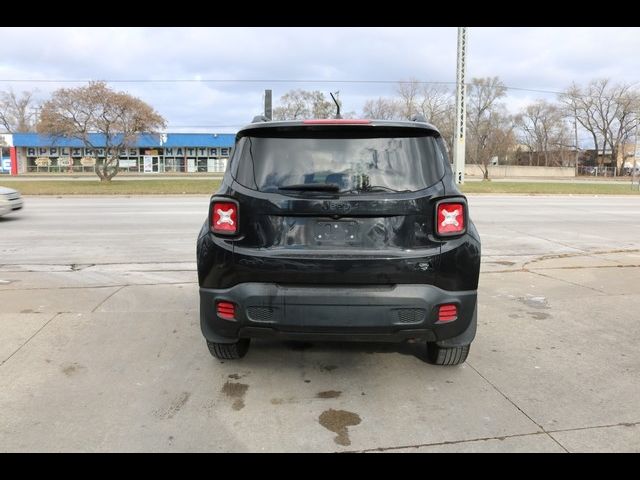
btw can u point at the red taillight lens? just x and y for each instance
(224, 218)
(450, 218)
(226, 310)
(447, 313)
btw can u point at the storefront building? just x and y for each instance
(164, 153)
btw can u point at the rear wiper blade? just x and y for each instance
(374, 189)
(312, 187)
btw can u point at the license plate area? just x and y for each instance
(337, 233)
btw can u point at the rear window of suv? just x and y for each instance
(356, 159)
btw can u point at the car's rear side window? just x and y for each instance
(354, 159)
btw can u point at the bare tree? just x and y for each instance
(437, 105)
(625, 120)
(320, 106)
(409, 98)
(95, 108)
(381, 109)
(489, 125)
(17, 111)
(608, 112)
(581, 107)
(293, 106)
(542, 129)
(301, 104)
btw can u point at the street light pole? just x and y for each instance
(460, 127)
(635, 159)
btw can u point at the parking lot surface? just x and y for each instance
(101, 349)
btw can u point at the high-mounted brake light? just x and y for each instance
(450, 218)
(224, 218)
(336, 121)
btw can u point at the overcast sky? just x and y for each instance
(528, 58)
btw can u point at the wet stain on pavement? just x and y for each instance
(328, 394)
(70, 369)
(539, 315)
(337, 421)
(235, 391)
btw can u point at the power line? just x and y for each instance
(216, 80)
(245, 80)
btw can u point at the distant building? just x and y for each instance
(170, 152)
(554, 157)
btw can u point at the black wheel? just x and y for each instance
(229, 351)
(446, 355)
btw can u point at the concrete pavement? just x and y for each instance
(101, 349)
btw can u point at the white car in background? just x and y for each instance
(10, 200)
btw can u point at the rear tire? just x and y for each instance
(437, 355)
(229, 351)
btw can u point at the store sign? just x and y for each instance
(65, 161)
(43, 162)
(88, 161)
(127, 163)
(173, 152)
(69, 152)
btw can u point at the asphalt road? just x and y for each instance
(101, 350)
(207, 177)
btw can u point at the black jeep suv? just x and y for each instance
(339, 230)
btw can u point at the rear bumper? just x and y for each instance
(320, 312)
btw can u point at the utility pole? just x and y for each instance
(36, 114)
(635, 160)
(268, 112)
(461, 114)
(575, 130)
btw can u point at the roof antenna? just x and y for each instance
(337, 104)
